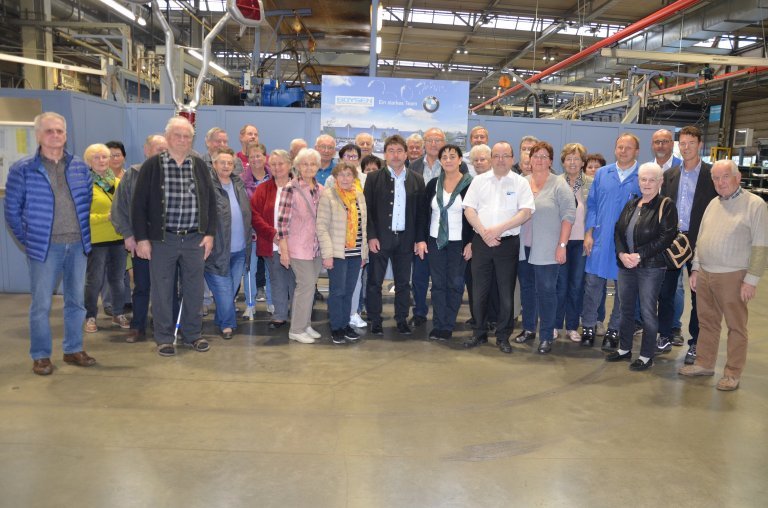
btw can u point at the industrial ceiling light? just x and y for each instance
(42, 63)
(214, 65)
(378, 45)
(120, 9)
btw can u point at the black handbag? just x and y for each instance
(679, 252)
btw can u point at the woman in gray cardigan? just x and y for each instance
(543, 247)
(341, 232)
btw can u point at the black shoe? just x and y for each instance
(417, 320)
(470, 321)
(639, 365)
(274, 325)
(108, 311)
(403, 328)
(588, 336)
(166, 350)
(545, 346)
(663, 345)
(376, 329)
(350, 334)
(690, 356)
(435, 334)
(337, 337)
(525, 336)
(610, 340)
(319, 296)
(677, 337)
(227, 335)
(476, 341)
(504, 345)
(618, 357)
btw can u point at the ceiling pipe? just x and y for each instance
(699, 82)
(638, 26)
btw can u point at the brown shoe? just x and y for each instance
(81, 359)
(695, 370)
(136, 336)
(728, 383)
(42, 367)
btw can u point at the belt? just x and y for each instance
(181, 232)
(398, 232)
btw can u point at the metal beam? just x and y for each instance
(690, 58)
(565, 88)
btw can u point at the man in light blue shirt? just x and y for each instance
(326, 146)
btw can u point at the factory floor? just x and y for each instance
(259, 422)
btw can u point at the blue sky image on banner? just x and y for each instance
(386, 106)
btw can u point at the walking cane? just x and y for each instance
(249, 309)
(178, 323)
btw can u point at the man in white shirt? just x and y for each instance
(663, 145)
(496, 204)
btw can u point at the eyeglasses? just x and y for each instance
(116, 156)
(351, 156)
(661, 141)
(326, 147)
(433, 141)
(499, 157)
(540, 157)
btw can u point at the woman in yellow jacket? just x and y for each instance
(107, 257)
(341, 232)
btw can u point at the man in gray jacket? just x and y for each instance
(121, 220)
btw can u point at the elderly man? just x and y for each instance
(364, 141)
(415, 144)
(690, 186)
(47, 207)
(397, 218)
(121, 220)
(295, 147)
(526, 142)
(174, 221)
(496, 204)
(215, 139)
(477, 136)
(729, 261)
(326, 145)
(613, 186)
(248, 134)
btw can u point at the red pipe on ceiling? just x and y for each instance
(656, 17)
(721, 77)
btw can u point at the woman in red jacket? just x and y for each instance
(263, 205)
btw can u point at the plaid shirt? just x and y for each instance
(286, 208)
(180, 193)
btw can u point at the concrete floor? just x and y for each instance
(258, 422)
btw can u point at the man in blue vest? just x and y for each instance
(614, 185)
(47, 206)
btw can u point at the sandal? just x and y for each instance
(201, 345)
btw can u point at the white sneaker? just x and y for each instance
(249, 312)
(600, 329)
(356, 321)
(312, 332)
(270, 308)
(574, 335)
(301, 337)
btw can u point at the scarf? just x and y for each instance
(349, 199)
(442, 231)
(106, 182)
(578, 184)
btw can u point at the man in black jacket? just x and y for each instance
(174, 221)
(690, 186)
(394, 196)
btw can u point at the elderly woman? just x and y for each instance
(108, 256)
(254, 174)
(264, 203)
(646, 227)
(298, 245)
(232, 243)
(341, 225)
(449, 238)
(570, 278)
(544, 239)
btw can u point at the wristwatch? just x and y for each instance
(562, 245)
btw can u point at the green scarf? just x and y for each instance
(442, 231)
(106, 182)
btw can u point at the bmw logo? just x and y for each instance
(431, 104)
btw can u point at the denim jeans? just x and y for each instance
(527, 279)
(65, 259)
(570, 286)
(643, 284)
(223, 288)
(283, 283)
(105, 261)
(446, 266)
(546, 298)
(342, 279)
(679, 303)
(420, 281)
(594, 291)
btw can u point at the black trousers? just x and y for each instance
(667, 305)
(501, 261)
(401, 256)
(493, 296)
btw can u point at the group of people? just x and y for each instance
(484, 221)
